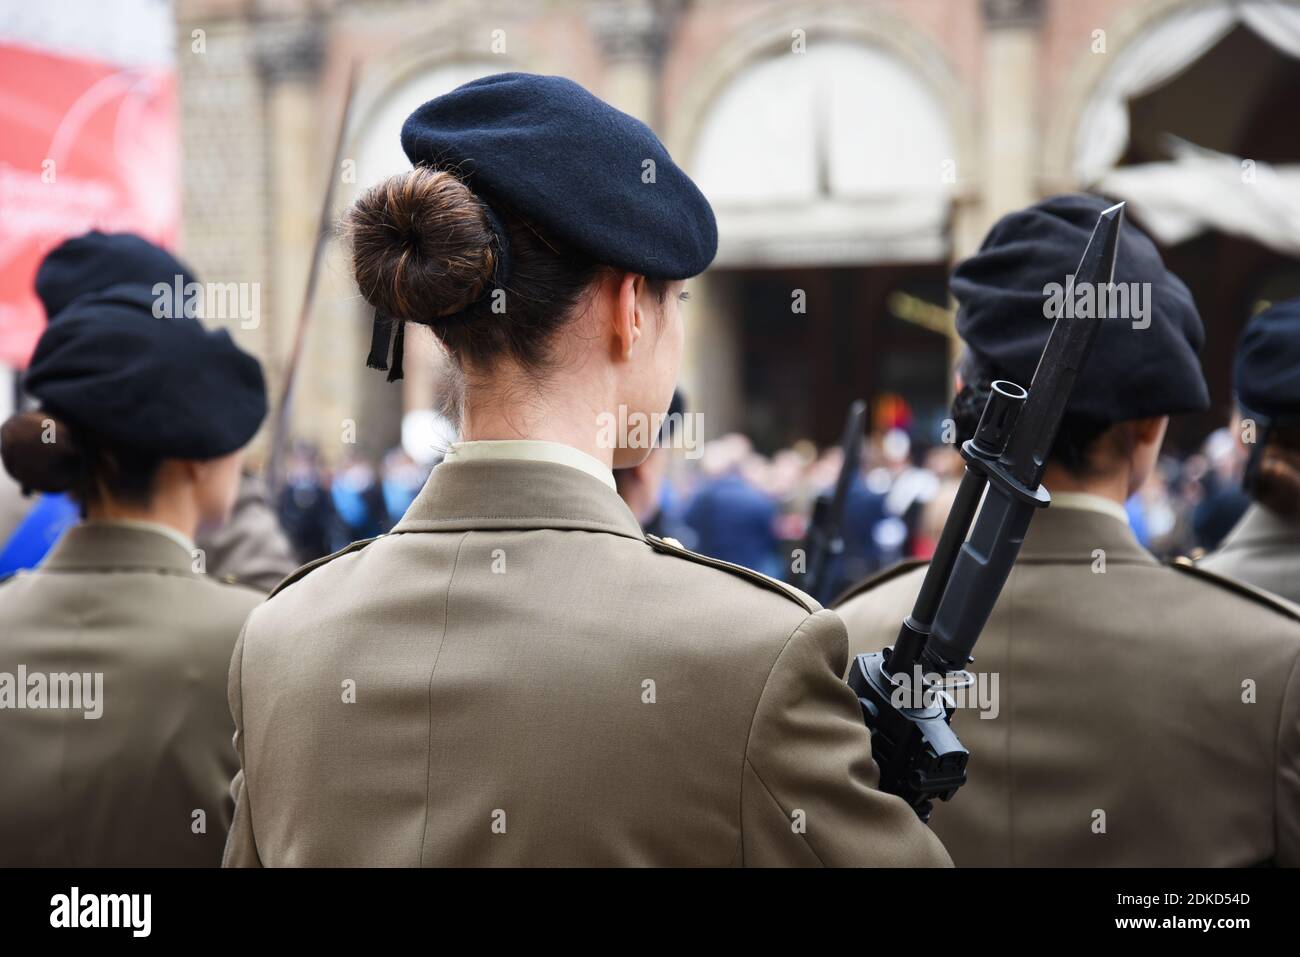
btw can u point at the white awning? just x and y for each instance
(1201, 190)
(1172, 45)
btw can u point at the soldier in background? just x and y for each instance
(114, 650)
(1143, 714)
(642, 486)
(1264, 548)
(249, 547)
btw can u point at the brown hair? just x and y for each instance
(1078, 441)
(424, 250)
(44, 454)
(1277, 476)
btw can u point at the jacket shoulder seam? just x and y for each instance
(879, 578)
(740, 571)
(1245, 590)
(310, 567)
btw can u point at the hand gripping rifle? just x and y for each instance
(902, 690)
(824, 540)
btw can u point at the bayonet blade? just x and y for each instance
(1067, 349)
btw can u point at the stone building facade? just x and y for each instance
(853, 151)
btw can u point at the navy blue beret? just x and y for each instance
(1267, 369)
(95, 261)
(167, 387)
(573, 165)
(1132, 373)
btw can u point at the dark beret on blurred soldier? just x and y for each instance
(1135, 369)
(94, 261)
(162, 386)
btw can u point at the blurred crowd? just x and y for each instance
(739, 505)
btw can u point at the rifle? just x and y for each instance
(824, 540)
(903, 689)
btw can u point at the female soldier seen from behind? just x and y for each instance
(516, 674)
(119, 751)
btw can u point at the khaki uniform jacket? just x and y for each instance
(250, 547)
(1120, 705)
(121, 788)
(517, 676)
(1263, 550)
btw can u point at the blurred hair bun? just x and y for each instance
(40, 452)
(422, 245)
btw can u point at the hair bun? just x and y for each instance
(422, 245)
(40, 452)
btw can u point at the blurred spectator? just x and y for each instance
(742, 507)
(1223, 502)
(645, 486)
(401, 482)
(305, 506)
(733, 520)
(358, 502)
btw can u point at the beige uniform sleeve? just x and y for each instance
(1288, 773)
(241, 851)
(809, 793)
(250, 547)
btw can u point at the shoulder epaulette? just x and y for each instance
(879, 578)
(302, 572)
(236, 581)
(1259, 595)
(670, 546)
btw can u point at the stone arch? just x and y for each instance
(872, 27)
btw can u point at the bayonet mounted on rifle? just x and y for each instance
(903, 690)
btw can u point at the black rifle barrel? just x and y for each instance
(824, 539)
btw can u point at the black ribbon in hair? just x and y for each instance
(388, 334)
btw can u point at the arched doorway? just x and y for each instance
(832, 172)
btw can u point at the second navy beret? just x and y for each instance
(1267, 368)
(168, 387)
(1135, 370)
(95, 261)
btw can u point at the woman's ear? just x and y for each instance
(629, 322)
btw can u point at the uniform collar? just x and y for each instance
(105, 546)
(1090, 502)
(1075, 534)
(494, 492)
(531, 450)
(1260, 526)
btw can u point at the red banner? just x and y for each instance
(83, 144)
